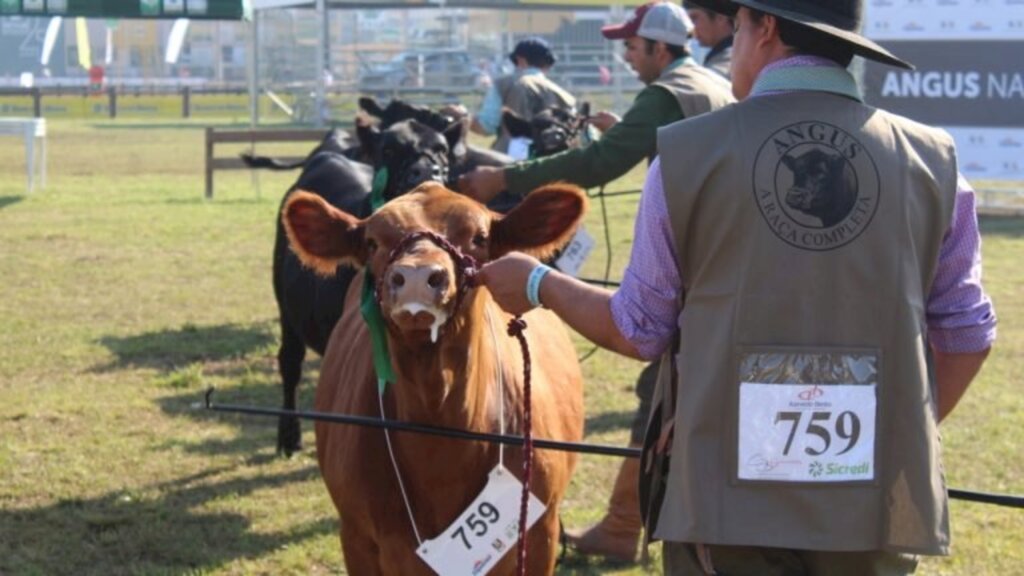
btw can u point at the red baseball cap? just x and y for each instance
(659, 21)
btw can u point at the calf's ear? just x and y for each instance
(368, 137)
(321, 235)
(516, 125)
(371, 107)
(542, 223)
(453, 136)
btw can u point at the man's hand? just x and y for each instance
(483, 184)
(456, 111)
(604, 120)
(506, 279)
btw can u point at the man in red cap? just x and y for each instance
(655, 39)
(811, 278)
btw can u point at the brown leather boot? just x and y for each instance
(617, 534)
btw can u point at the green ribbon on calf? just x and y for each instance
(368, 305)
(380, 182)
(374, 319)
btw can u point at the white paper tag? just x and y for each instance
(485, 531)
(576, 252)
(806, 432)
(519, 148)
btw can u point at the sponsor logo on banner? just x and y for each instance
(969, 83)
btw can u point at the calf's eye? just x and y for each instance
(480, 240)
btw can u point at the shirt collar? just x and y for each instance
(530, 71)
(804, 72)
(681, 61)
(722, 46)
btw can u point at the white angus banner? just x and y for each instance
(969, 56)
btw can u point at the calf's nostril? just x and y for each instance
(437, 279)
(397, 280)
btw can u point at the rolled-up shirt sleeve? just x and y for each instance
(646, 306)
(959, 313)
(489, 116)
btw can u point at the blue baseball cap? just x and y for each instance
(535, 50)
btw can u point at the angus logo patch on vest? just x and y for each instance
(816, 186)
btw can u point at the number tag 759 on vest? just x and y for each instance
(485, 531)
(806, 432)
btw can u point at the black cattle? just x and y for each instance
(335, 141)
(309, 305)
(824, 185)
(465, 158)
(552, 130)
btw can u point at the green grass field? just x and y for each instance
(125, 295)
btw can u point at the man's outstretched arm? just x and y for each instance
(585, 308)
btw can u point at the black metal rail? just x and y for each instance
(1007, 500)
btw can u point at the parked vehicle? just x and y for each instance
(443, 68)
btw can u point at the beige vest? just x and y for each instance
(528, 95)
(773, 271)
(697, 89)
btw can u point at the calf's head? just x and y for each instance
(552, 130)
(418, 286)
(411, 152)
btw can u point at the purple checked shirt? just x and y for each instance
(646, 307)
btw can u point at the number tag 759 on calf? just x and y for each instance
(485, 531)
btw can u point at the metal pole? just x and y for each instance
(321, 62)
(254, 69)
(372, 422)
(1008, 500)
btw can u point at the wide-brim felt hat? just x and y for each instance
(838, 18)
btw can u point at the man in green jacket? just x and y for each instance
(677, 87)
(655, 41)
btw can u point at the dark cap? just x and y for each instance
(840, 19)
(535, 51)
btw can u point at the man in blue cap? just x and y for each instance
(527, 92)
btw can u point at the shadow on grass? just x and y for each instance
(6, 201)
(166, 349)
(576, 564)
(1008, 226)
(124, 533)
(259, 388)
(609, 422)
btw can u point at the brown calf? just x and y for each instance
(450, 381)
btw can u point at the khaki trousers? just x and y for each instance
(682, 559)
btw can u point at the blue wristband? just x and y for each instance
(533, 284)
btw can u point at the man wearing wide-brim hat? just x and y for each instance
(810, 278)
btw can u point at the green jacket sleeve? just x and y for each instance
(623, 146)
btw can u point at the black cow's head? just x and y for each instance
(552, 130)
(411, 152)
(824, 185)
(398, 110)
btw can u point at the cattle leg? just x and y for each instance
(289, 364)
(362, 555)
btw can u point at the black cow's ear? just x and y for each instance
(369, 105)
(516, 125)
(542, 223)
(321, 235)
(788, 161)
(453, 136)
(368, 138)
